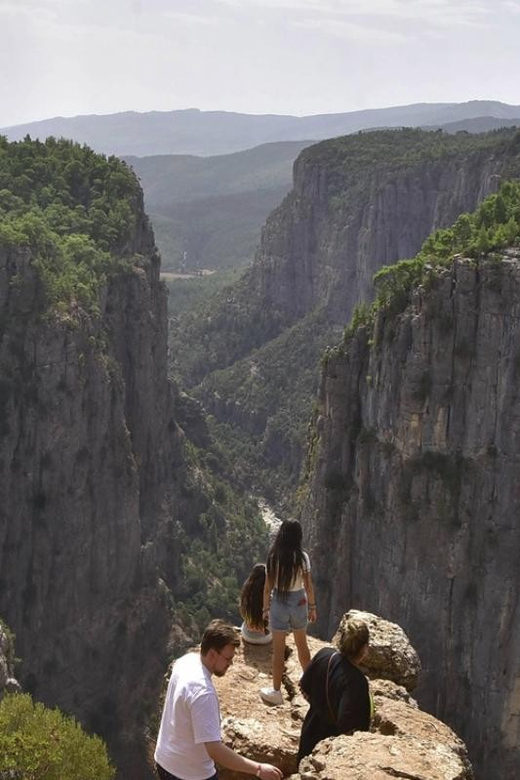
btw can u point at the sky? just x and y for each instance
(70, 57)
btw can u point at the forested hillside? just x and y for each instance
(207, 212)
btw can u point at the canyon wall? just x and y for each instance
(362, 202)
(88, 449)
(413, 468)
(358, 203)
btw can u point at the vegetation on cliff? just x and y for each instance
(218, 548)
(493, 226)
(73, 209)
(37, 743)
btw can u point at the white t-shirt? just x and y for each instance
(297, 581)
(191, 716)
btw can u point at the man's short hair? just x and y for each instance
(217, 635)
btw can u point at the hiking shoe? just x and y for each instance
(271, 696)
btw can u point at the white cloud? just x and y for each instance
(185, 18)
(436, 12)
(351, 31)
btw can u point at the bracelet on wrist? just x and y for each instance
(312, 606)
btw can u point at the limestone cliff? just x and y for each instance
(88, 446)
(358, 203)
(413, 483)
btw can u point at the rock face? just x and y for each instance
(414, 477)
(404, 742)
(358, 203)
(89, 444)
(8, 682)
(362, 202)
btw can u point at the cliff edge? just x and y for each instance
(403, 742)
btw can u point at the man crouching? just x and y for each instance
(189, 741)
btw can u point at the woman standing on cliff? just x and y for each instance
(288, 601)
(336, 689)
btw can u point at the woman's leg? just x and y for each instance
(278, 658)
(300, 639)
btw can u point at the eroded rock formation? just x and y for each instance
(404, 741)
(414, 476)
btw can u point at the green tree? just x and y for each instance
(37, 743)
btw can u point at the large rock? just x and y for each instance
(374, 757)
(390, 653)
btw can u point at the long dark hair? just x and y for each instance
(285, 556)
(251, 597)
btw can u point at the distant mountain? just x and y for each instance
(479, 124)
(218, 132)
(207, 212)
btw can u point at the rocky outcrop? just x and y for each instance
(88, 450)
(391, 656)
(8, 682)
(414, 476)
(404, 741)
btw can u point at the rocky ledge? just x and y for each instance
(404, 742)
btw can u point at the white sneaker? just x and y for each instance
(271, 696)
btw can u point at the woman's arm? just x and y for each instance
(268, 586)
(311, 599)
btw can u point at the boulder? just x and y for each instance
(376, 757)
(391, 655)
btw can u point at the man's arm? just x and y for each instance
(224, 756)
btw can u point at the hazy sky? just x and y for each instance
(68, 57)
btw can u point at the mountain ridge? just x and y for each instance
(192, 131)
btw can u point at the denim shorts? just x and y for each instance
(291, 614)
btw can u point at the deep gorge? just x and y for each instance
(108, 473)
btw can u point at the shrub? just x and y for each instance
(37, 743)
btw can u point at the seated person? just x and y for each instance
(254, 629)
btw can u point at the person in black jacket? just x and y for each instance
(336, 689)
